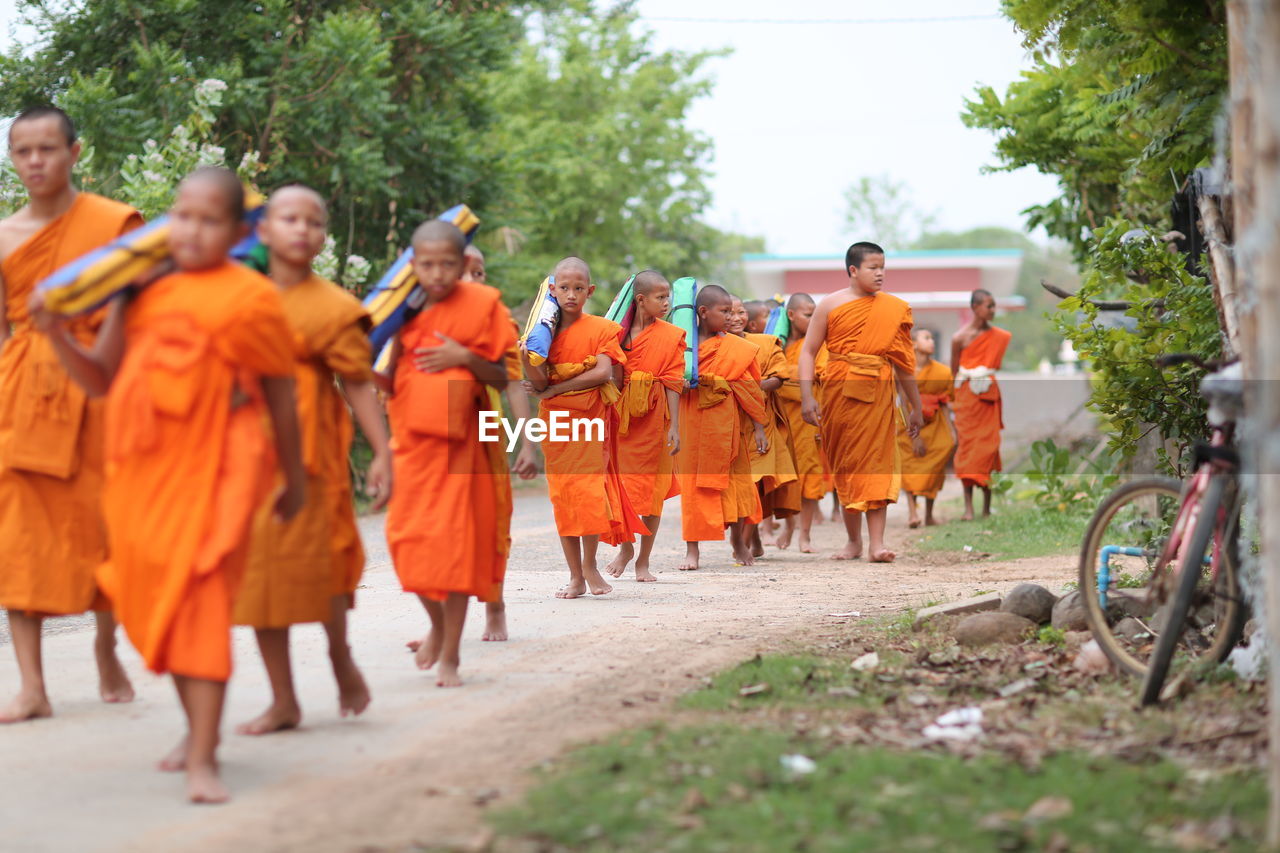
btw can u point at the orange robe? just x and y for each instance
(51, 532)
(586, 491)
(925, 475)
(811, 465)
(186, 465)
(655, 364)
(296, 569)
(775, 470)
(979, 417)
(713, 467)
(866, 337)
(448, 523)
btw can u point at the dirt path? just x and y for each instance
(417, 768)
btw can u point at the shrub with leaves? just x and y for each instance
(1170, 311)
(1057, 481)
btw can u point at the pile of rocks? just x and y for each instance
(1011, 618)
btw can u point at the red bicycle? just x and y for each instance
(1159, 564)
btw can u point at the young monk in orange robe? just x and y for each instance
(195, 365)
(648, 413)
(925, 458)
(806, 439)
(307, 570)
(473, 269)
(773, 471)
(575, 386)
(448, 526)
(51, 536)
(720, 422)
(977, 351)
(868, 338)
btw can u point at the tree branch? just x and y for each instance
(1102, 304)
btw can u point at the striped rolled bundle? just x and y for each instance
(90, 281)
(544, 320)
(396, 297)
(779, 323)
(684, 314)
(623, 309)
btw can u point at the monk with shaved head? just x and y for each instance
(307, 570)
(575, 385)
(721, 422)
(649, 426)
(448, 523)
(806, 441)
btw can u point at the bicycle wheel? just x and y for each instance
(1202, 600)
(1118, 560)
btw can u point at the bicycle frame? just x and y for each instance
(1183, 524)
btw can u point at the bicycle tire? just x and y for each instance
(1096, 618)
(1188, 578)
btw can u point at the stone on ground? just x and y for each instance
(1068, 613)
(977, 604)
(983, 629)
(1030, 601)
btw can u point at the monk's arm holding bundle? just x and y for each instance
(94, 367)
(593, 377)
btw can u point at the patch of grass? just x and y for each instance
(1052, 636)
(725, 788)
(1015, 531)
(777, 679)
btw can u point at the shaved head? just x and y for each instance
(757, 308)
(572, 263)
(439, 231)
(799, 300)
(224, 181)
(473, 252)
(299, 191)
(647, 280)
(979, 296)
(711, 295)
(35, 113)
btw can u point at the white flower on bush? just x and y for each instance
(357, 272)
(211, 90)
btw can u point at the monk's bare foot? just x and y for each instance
(968, 515)
(757, 548)
(618, 564)
(447, 675)
(742, 555)
(851, 551)
(806, 546)
(643, 575)
(353, 692)
(784, 538)
(883, 555)
(176, 760)
(932, 522)
(595, 582)
(428, 651)
(575, 589)
(26, 706)
(113, 684)
(913, 523)
(277, 718)
(205, 786)
(495, 624)
(692, 554)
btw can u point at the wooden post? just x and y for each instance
(1241, 185)
(1258, 257)
(1222, 272)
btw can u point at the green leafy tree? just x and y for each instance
(1120, 106)
(880, 209)
(1170, 310)
(596, 153)
(379, 104)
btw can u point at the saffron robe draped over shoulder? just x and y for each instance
(925, 475)
(189, 460)
(815, 479)
(866, 337)
(713, 467)
(51, 533)
(655, 365)
(980, 416)
(774, 471)
(295, 569)
(448, 523)
(587, 494)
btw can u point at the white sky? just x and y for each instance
(800, 110)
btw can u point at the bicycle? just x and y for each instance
(1178, 543)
